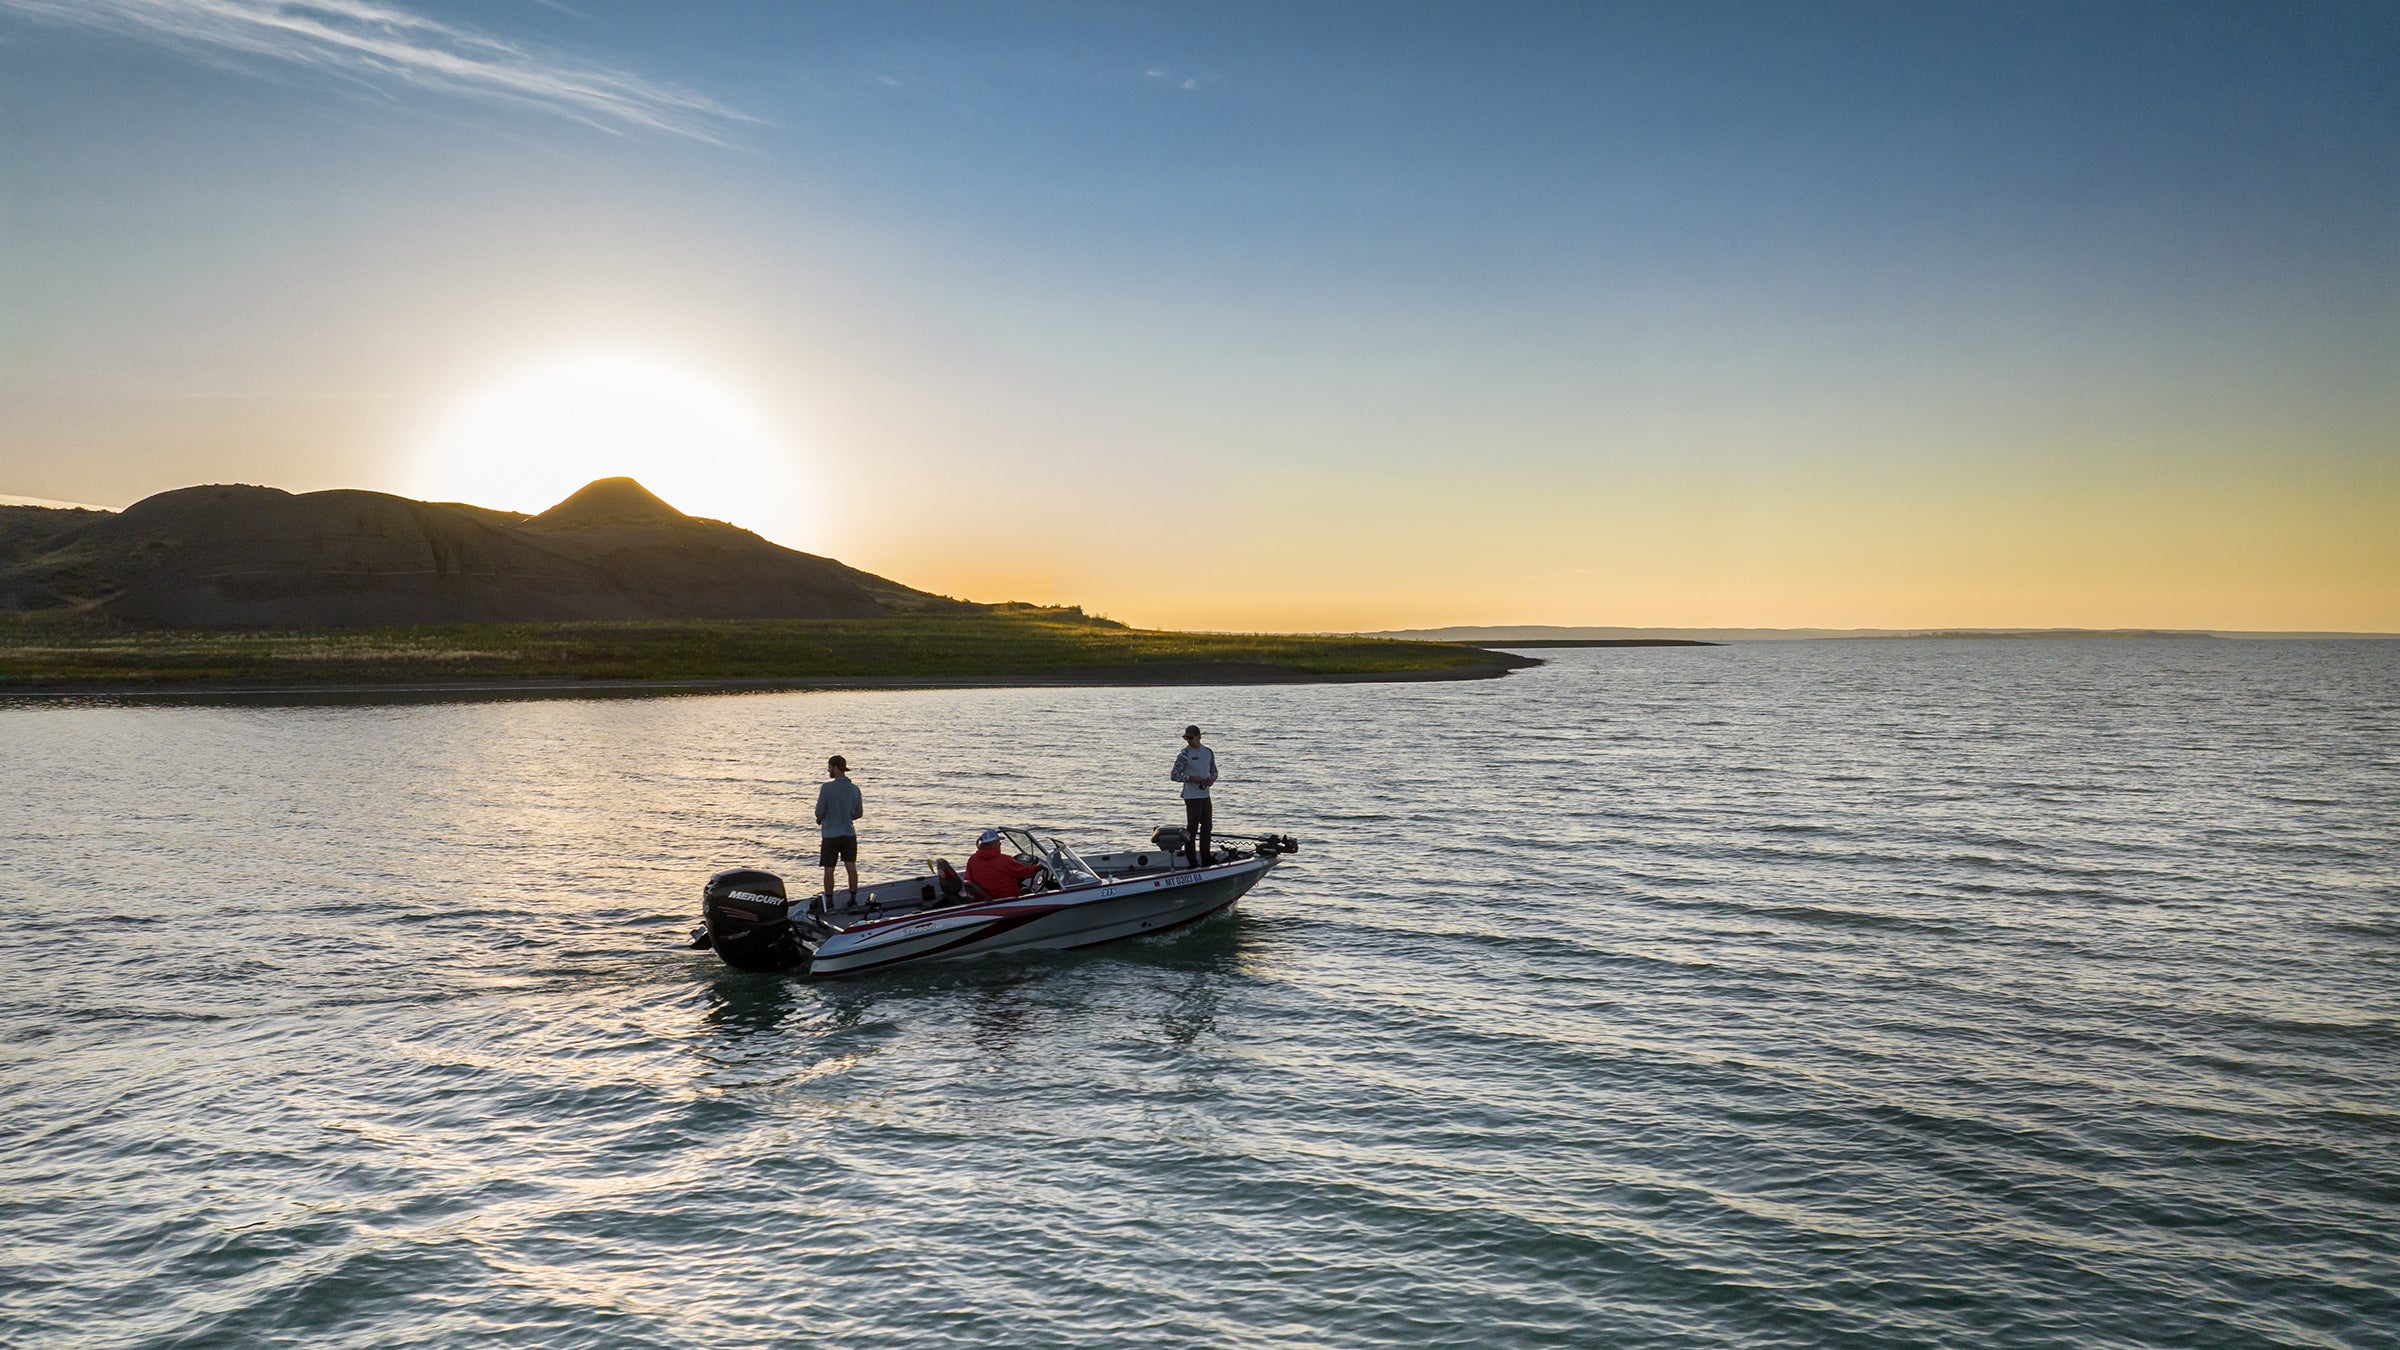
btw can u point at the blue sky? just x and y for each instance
(1874, 314)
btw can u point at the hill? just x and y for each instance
(226, 556)
(231, 590)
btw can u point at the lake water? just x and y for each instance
(1843, 993)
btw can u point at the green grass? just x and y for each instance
(37, 652)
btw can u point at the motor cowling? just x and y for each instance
(750, 923)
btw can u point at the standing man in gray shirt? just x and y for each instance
(839, 808)
(1196, 769)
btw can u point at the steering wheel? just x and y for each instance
(1042, 880)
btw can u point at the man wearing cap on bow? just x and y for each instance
(1196, 769)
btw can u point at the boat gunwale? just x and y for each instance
(1047, 902)
(1007, 922)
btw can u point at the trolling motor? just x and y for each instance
(1269, 845)
(1174, 839)
(749, 920)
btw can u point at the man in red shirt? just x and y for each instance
(995, 873)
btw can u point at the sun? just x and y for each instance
(532, 437)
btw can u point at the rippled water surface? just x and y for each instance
(1974, 993)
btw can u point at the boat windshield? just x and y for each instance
(1066, 866)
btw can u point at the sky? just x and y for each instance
(1283, 316)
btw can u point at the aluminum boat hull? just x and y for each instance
(1082, 916)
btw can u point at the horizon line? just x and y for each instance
(1504, 634)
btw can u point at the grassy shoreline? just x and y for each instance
(41, 657)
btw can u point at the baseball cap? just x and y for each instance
(988, 837)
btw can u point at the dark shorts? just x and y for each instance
(1199, 811)
(841, 847)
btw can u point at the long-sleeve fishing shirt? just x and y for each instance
(838, 806)
(1194, 768)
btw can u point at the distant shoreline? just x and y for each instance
(1596, 642)
(218, 691)
(49, 662)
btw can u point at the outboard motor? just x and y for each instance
(750, 921)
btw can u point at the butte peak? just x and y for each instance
(227, 556)
(608, 501)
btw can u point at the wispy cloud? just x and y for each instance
(1188, 83)
(369, 40)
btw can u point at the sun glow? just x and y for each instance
(531, 438)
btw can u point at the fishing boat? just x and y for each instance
(1072, 901)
